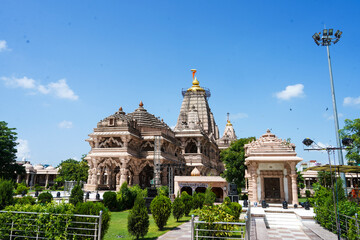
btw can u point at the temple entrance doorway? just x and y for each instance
(146, 174)
(272, 189)
(200, 190)
(187, 189)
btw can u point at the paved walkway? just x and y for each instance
(283, 226)
(182, 232)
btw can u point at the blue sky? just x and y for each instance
(65, 65)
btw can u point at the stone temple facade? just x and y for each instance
(139, 148)
(271, 169)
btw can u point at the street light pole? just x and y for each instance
(326, 40)
(336, 119)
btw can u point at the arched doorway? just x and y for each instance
(200, 189)
(219, 193)
(146, 174)
(186, 189)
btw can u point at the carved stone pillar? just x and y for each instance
(254, 187)
(47, 180)
(164, 179)
(27, 179)
(124, 171)
(293, 176)
(96, 140)
(136, 179)
(294, 189)
(198, 145)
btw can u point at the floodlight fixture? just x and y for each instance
(325, 32)
(307, 142)
(347, 142)
(331, 31)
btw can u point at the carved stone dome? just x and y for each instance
(195, 172)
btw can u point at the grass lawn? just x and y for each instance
(118, 226)
(302, 199)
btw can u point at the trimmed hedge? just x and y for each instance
(45, 198)
(178, 208)
(188, 202)
(110, 201)
(138, 218)
(6, 193)
(161, 209)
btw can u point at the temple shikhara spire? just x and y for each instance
(229, 135)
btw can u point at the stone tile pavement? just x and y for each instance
(182, 232)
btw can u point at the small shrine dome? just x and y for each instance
(195, 172)
(39, 167)
(50, 168)
(28, 166)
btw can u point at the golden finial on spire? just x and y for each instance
(195, 87)
(141, 104)
(228, 123)
(120, 109)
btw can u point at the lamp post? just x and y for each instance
(346, 142)
(325, 40)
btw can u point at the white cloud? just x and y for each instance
(351, 101)
(23, 149)
(3, 46)
(238, 116)
(331, 117)
(24, 82)
(291, 91)
(65, 124)
(58, 89)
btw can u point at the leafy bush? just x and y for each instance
(125, 197)
(77, 195)
(178, 208)
(25, 200)
(94, 208)
(307, 193)
(37, 188)
(188, 202)
(209, 197)
(110, 201)
(161, 209)
(324, 207)
(215, 213)
(138, 219)
(51, 225)
(163, 190)
(6, 193)
(45, 198)
(198, 200)
(20, 188)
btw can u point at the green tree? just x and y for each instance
(352, 130)
(161, 209)
(300, 181)
(210, 197)
(188, 202)
(324, 178)
(178, 208)
(6, 193)
(72, 170)
(8, 167)
(77, 195)
(234, 160)
(138, 218)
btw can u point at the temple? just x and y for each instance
(271, 169)
(139, 148)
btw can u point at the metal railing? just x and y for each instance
(221, 230)
(349, 227)
(31, 225)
